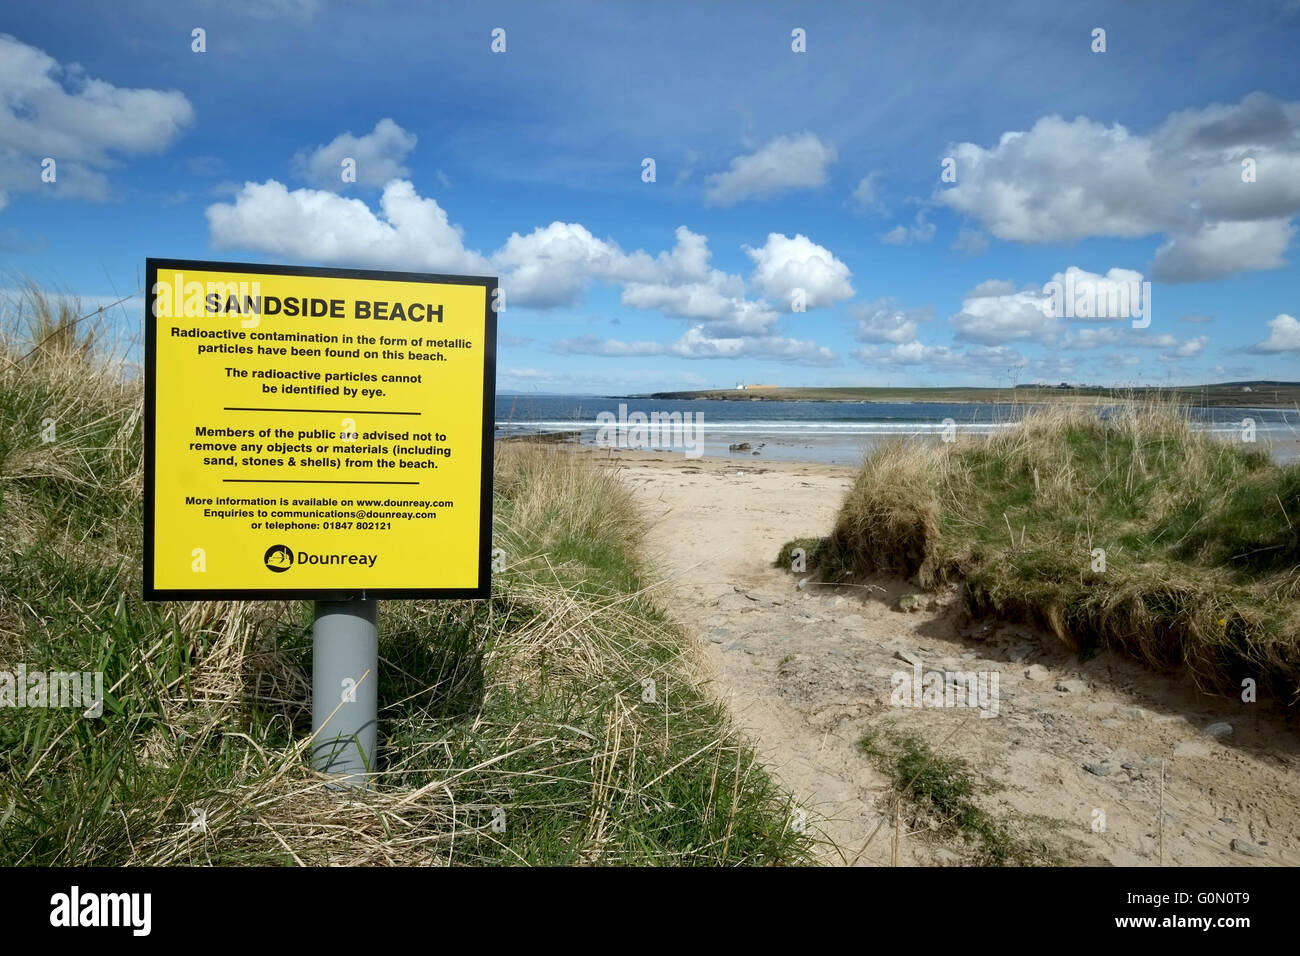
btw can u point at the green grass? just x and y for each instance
(940, 790)
(1201, 538)
(528, 710)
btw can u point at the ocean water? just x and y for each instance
(827, 432)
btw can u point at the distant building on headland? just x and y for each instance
(742, 387)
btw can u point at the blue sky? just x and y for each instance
(781, 178)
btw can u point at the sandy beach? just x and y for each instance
(1103, 761)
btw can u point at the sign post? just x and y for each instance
(319, 434)
(344, 688)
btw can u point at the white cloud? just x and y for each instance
(82, 128)
(1091, 297)
(1065, 180)
(410, 232)
(378, 156)
(553, 265)
(719, 301)
(901, 235)
(550, 266)
(1284, 336)
(1084, 339)
(783, 264)
(699, 343)
(787, 162)
(1185, 350)
(1223, 249)
(992, 314)
(884, 321)
(864, 193)
(904, 353)
(940, 357)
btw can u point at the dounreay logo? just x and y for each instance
(280, 558)
(74, 908)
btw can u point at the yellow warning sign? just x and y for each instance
(317, 433)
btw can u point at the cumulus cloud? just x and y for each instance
(939, 357)
(718, 300)
(551, 266)
(1064, 180)
(783, 265)
(994, 313)
(1223, 249)
(1084, 339)
(82, 127)
(1090, 296)
(786, 163)
(1284, 336)
(884, 321)
(699, 342)
(378, 156)
(1185, 350)
(409, 232)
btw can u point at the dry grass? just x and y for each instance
(514, 730)
(1201, 538)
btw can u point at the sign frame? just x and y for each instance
(484, 588)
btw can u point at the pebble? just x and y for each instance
(1071, 686)
(1220, 729)
(1020, 652)
(1100, 769)
(719, 635)
(1037, 672)
(1246, 848)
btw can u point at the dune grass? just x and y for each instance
(1124, 529)
(941, 793)
(519, 730)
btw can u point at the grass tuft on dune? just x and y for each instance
(520, 730)
(1201, 538)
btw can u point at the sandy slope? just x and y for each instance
(807, 672)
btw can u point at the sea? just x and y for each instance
(838, 433)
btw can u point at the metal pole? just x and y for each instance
(345, 688)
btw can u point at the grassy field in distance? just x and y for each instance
(1261, 394)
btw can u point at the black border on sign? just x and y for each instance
(484, 589)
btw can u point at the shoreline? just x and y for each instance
(832, 451)
(1226, 395)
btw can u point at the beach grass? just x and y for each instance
(942, 793)
(563, 721)
(1121, 528)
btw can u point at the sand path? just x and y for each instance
(1077, 748)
